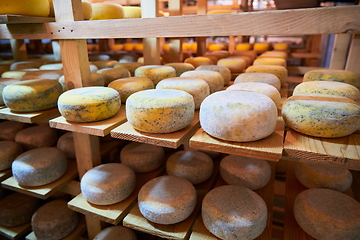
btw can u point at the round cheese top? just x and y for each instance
(87, 95)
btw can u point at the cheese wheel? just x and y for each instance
(129, 46)
(238, 116)
(224, 71)
(198, 61)
(214, 79)
(160, 110)
(66, 144)
(100, 64)
(259, 87)
(278, 71)
(328, 117)
(327, 214)
(3, 83)
(244, 47)
(283, 46)
(317, 175)
(101, 11)
(211, 154)
(331, 75)
(116, 232)
(130, 85)
(235, 65)
(17, 209)
(259, 77)
(243, 171)
(9, 150)
(54, 220)
(155, 72)
(111, 74)
(43, 74)
(181, 67)
(32, 95)
(132, 12)
(24, 65)
(40, 166)
(274, 54)
(142, 157)
(89, 104)
(219, 54)
(108, 184)
(234, 212)
(98, 56)
(96, 79)
(327, 88)
(270, 61)
(197, 87)
(167, 199)
(261, 47)
(216, 47)
(51, 66)
(129, 57)
(246, 58)
(36, 137)
(9, 129)
(249, 53)
(130, 66)
(192, 165)
(14, 74)
(39, 8)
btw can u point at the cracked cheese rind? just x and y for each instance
(331, 75)
(155, 72)
(278, 71)
(160, 110)
(328, 117)
(238, 116)
(214, 79)
(32, 95)
(224, 71)
(89, 104)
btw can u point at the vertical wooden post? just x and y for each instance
(56, 50)
(18, 48)
(339, 51)
(352, 63)
(201, 41)
(175, 9)
(231, 47)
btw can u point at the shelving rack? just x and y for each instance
(72, 32)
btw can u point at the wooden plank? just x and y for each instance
(18, 48)
(15, 232)
(100, 128)
(16, 19)
(4, 174)
(170, 140)
(112, 213)
(344, 152)
(44, 191)
(352, 63)
(340, 51)
(175, 9)
(300, 70)
(329, 20)
(32, 117)
(269, 148)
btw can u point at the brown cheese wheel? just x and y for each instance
(9, 150)
(9, 129)
(37, 137)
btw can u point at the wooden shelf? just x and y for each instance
(15, 232)
(47, 190)
(269, 148)
(170, 140)
(112, 213)
(100, 128)
(16, 19)
(5, 174)
(343, 151)
(32, 117)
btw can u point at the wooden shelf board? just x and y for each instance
(47, 190)
(5, 174)
(170, 140)
(269, 148)
(12, 19)
(100, 128)
(32, 117)
(112, 213)
(15, 232)
(343, 151)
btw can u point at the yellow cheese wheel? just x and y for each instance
(244, 47)
(101, 11)
(224, 71)
(25, 7)
(274, 54)
(259, 77)
(217, 47)
(181, 67)
(155, 72)
(214, 79)
(89, 104)
(3, 83)
(270, 61)
(246, 58)
(261, 47)
(130, 66)
(160, 110)
(235, 65)
(24, 65)
(321, 116)
(197, 61)
(249, 53)
(128, 86)
(132, 12)
(283, 46)
(331, 75)
(278, 71)
(111, 74)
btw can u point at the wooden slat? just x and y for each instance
(343, 151)
(32, 117)
(112, 213)
(4, 174)
(18, 48)
(352, 63)
(100, 128)
(15, 232)
(16, 19)
(44, 191)
(170, 140)
(329, 20)
(269, 148)
(340, 51)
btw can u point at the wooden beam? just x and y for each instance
(18, 48)
(340, 51)
(353, 59)
(201, 41)
(175, 9)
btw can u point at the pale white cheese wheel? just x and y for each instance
(108, 184)
(54, 221)
(142, 157)
(66, 144)
(198, 88)
(327, 214)
(116, 232)
(268, 78)
(214, 79)
(36, 137)
(181, 67)
(9, 129)
(3, 83)
(51, 66)
(111, 74)
(280, 71)
(259, 87)
(167, 199)
(9, 150)
(160, 110)
(224, 71)
(192, 165)
(317, 175)
(238, 116)
(243, 171)
(155, 72)
(234, 212)
(39, 166)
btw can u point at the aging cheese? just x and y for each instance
(3, 83)
(270, 61)
(132, 12)
(328, 117)
(224, 71)
(331, 75)
(9, 129)
(89, 104)
(238, 116)
(9, 150)
(160, 110)
(181, 67)
(66, 144)
(51, 66)
(259, 77)
(130, 66)
(278, 71)
(101, 11)
(274, 54)
(32, 95)
(108, 184)
(111, 74)
(214, 79)
(198, 61)
(244, 47)
(261, 47)
(43, 74)
(116, 232)
(25, 65)
(39, 8)
(155, 72)
(249, 53)
(235, 65)
(100, 64)
(96, 79)
(36, 137)
(19, 74)
(197, 87)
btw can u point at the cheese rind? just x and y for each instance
(181, 67)
(130, 66)
(111, 74)
(29, 8)
(198, 61)
(9, 150)
(214, 79)
(101, 11)
(155, 72)
(9, 129)
(235, 65)
(3, 83)
(259, 77)
(331, 75)
(270, 61)
(278, 71)
(224, 71)
(36, 137)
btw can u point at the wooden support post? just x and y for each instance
(56, 50)
(231, 47)
(340, 50)
(18, 48)
(175, 9)
(201, 41)
(352, 63)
